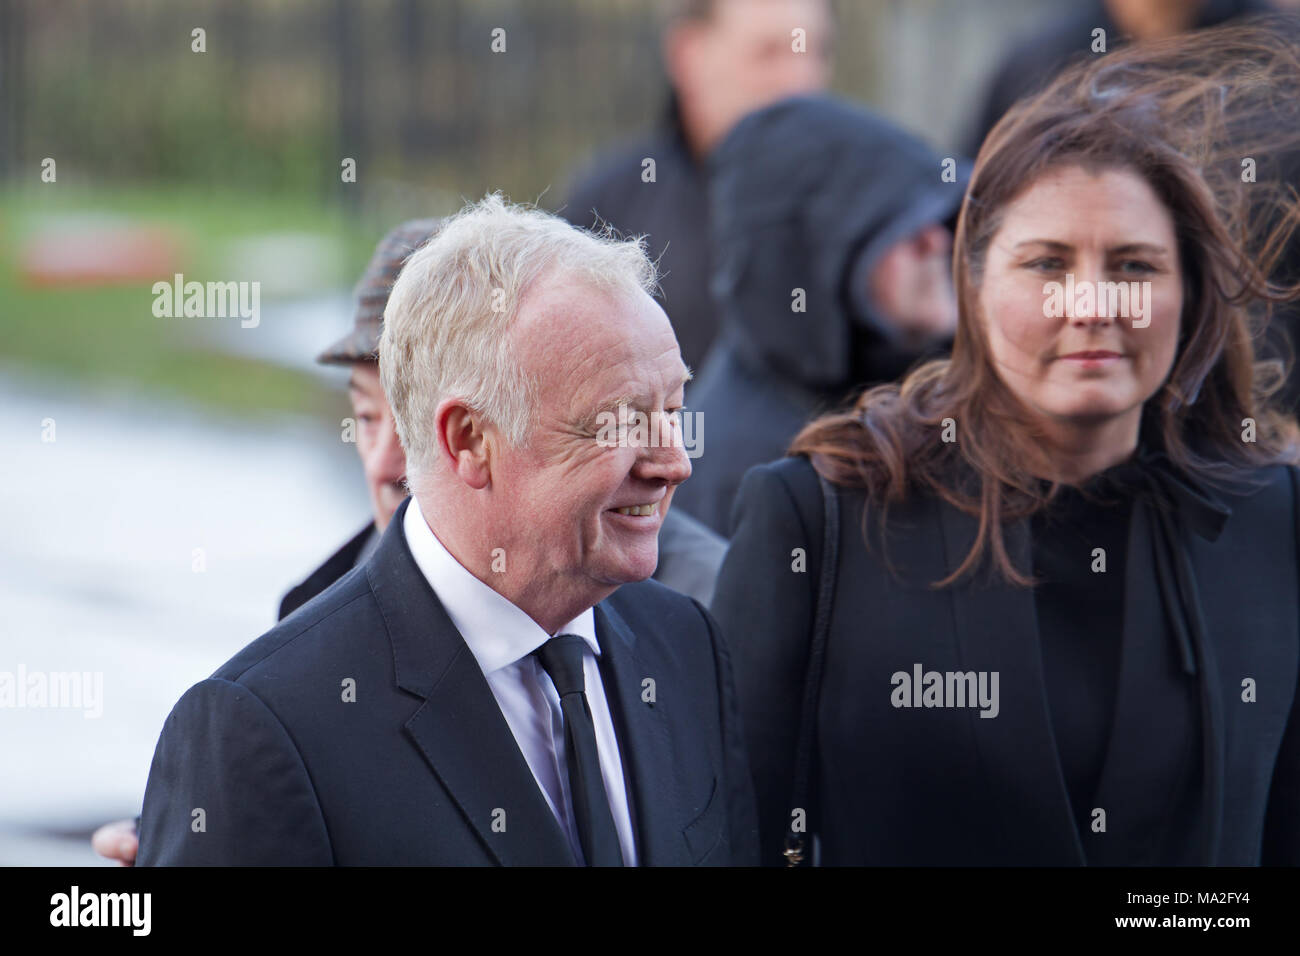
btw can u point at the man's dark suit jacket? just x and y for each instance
(944, 786)
(422, 768)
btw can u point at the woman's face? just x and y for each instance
(1082, 296)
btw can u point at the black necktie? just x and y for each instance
(562, 658)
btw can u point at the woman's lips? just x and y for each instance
(1094, 358)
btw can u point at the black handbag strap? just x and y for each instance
(796, 843)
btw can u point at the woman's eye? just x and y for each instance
(1046, 264)
(1137, 266)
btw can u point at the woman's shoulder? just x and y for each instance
(1263, 484)
(796, 473)
(780, 486)
(1266, 494)
(794, 483)
(795, 478)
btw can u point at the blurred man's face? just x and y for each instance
(742, 59)
(381, 453)
(1152, 19)
(911, 285)
(583, 512)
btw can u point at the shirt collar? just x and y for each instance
(496, 631)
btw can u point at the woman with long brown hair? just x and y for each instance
(1037, 603)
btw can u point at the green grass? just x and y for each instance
(108, 334)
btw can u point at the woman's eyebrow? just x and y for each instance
(1055, 245)
(1147, 247)
(1052, 244)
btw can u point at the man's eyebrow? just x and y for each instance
(613, 403)
(633, 401)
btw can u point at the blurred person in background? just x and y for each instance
(723, 58)
(689, 553)
(1039, 55)
(1059, 608)
(832, 271)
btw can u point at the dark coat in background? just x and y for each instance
(672, 212)
(805, 194)
(336, 565)
(945, 786)
(1042, 53)
(417, 769)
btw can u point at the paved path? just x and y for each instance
(98, 531)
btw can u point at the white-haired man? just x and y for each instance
(498, 683)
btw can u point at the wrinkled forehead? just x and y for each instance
(583, 343)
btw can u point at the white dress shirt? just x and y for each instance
(502, 639)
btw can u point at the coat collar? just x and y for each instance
(336, 565)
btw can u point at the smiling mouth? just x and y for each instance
(638, 511)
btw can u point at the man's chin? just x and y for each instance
(631, 569)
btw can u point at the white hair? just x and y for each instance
(447, 322)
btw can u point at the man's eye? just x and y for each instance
(1046, 264)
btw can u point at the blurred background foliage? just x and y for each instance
(245, 140)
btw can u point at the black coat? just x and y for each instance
(672, 212)
(412, 772)
(1054, 44)
(336, 565)
(907, 786)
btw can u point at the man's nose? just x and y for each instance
(665, 458)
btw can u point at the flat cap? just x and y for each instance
(361, 344)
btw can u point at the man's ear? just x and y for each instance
(463, 443)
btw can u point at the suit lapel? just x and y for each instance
(459, 729)
(462, 734)
(997, 630)
(644, 740)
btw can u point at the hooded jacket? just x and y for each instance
(806, 194)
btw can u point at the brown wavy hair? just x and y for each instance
(1183, 113)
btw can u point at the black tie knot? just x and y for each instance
(561, 657)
